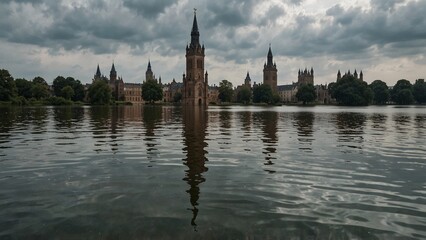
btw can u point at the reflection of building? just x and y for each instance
(270, 72)
(194, 132)
(270, 138)
(195, 82)
(304, 122)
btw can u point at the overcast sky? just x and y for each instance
(384, 38)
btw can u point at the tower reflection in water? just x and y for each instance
(270, 138)
(194, 133)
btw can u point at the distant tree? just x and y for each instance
(380, 92)
(419, 91)
(60, 82)
(262, 94)
(77, 87)
(151, 91)
(100, 93)
(225, 91)
(40, 89)
(177, 97)
(244, 95)
(67, 92)
(402, 92)
(24, 88)
(306, 93)
(350, 91)
(40, 80)
(7, 86)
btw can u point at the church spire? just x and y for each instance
(195, 34)
(270, 57)
(98, 72)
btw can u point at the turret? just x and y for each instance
(98, 74)
(339, 75)
(270, 57)
(195, 34)
(361, 76)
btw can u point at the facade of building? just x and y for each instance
(195, 82)
(133, 93)
(270, 72)
(305, 77)
(170, 90)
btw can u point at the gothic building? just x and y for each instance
(270, 72)
(195, 82)
(355, 74)
(305, 77)
(247, 81)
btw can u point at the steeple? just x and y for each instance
(270, 57)
(98, 73)
(247, 81)
(195, 34)
(149, 75)
(113, 73)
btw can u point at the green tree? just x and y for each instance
(60, 82)
(67, 92)
(225, 91)
(306, 93)
(349, 91)
(100, 93)
(177, 97)
(40, 89)
(380, 92)
(77, 87)
(7, 86)
(244, 95)
(402, 92)
(24, 88)
(419, 91)
(152, 91)
(262, 94)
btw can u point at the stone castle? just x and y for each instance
(194, 89)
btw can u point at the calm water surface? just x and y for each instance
(218, 173)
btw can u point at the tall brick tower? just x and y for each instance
(270, 72)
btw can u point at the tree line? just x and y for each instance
(350, 91)
(347, 91)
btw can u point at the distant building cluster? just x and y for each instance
(195, 90)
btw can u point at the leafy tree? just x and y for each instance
(350, 91)
(39, 80)
(24, 88)
(225, 91)
(306, 93)
(100, 93)
(7, 86)
(380, 92)
(262, 94)
(419, 91)
(40, 89)
(244, 95)
(60, 82)
(78, 88)
(177, 97)
(402, 92)
(152, 91)
(67, 92)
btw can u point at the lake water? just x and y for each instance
(167, 172)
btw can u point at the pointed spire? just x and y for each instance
(98, 72)
(149, 66)
(270, 56)
(195, 34)
(113, 68)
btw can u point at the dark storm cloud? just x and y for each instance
(148, 8)
(354, 32)
(235, 30)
